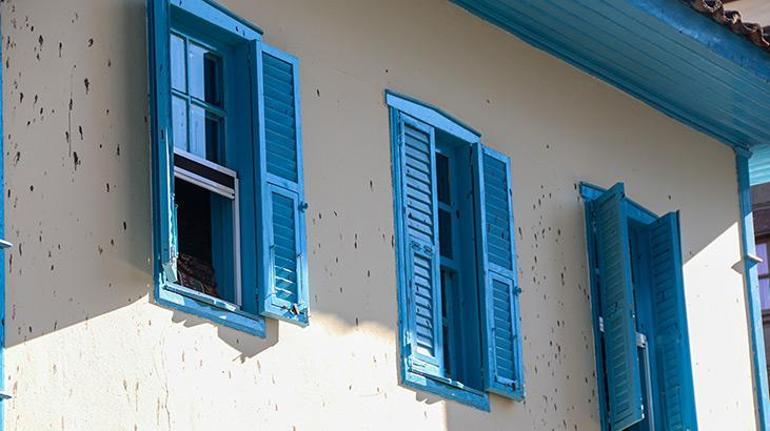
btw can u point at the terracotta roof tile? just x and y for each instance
(732, 19)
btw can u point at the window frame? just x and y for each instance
(219, 23)
(640, 216)
(412, 375)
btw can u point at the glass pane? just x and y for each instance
(179, 120)
(178, 67)
(762, 253)
(206, 134)
(442, 176)
(445, 233)
(205, 76)
(764, 293)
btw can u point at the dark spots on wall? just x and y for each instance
(60, 48)
(21, 98)
(107, 187)
(125, 226)
(76, 160)
(90, 42)
(87, 84)
(80, 131)
(100, 249)
(317, 92)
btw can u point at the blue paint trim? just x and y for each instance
(159, 14)
(269, 304)
(432, 115)
(634, 211)
(585, 34)
(407, 375)
(748, 248)
(487, 272)
(589, 194)
(219, 16)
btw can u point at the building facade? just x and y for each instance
(94, 341)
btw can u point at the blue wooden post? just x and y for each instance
(748, 251)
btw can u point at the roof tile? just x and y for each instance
(732, 19)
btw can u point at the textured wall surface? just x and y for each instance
(87, 348)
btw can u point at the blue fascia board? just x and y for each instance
(709, 34)
(739, 114)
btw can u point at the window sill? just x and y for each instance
(446, 388)
(212, 309)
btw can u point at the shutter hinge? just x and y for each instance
(303, 206)
(5, 244)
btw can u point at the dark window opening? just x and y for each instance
(460, 309)
(205, 241)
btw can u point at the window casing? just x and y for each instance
(458, 293)
(644, 370)
(221, 213)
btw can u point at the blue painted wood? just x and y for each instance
(419, 209)
(423, 376)
(223, 27)
(660, 51)
(218, 16)
(759, 165)
(284, 290)
(676, 396)
(618, 311)
(503, 371)
(751, 276)
(431, 115)
(160, 88)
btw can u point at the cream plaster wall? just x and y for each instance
(87, 349)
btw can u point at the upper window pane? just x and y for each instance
(205, 75)
(178, 65)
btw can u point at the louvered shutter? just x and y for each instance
(163, 142)
(497, 273)
(284, 286)
(617, 307)
(672, 352)
(419, 219)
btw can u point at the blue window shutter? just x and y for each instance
(419, 220)
(284, 279)
(672, 351)
(503, 372)
(617, 307)
(163, 141)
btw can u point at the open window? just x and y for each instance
(227, 169)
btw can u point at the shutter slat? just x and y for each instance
(670, 325)
(617, 299)
(284, 292)
(502, 348)
(416, 144)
